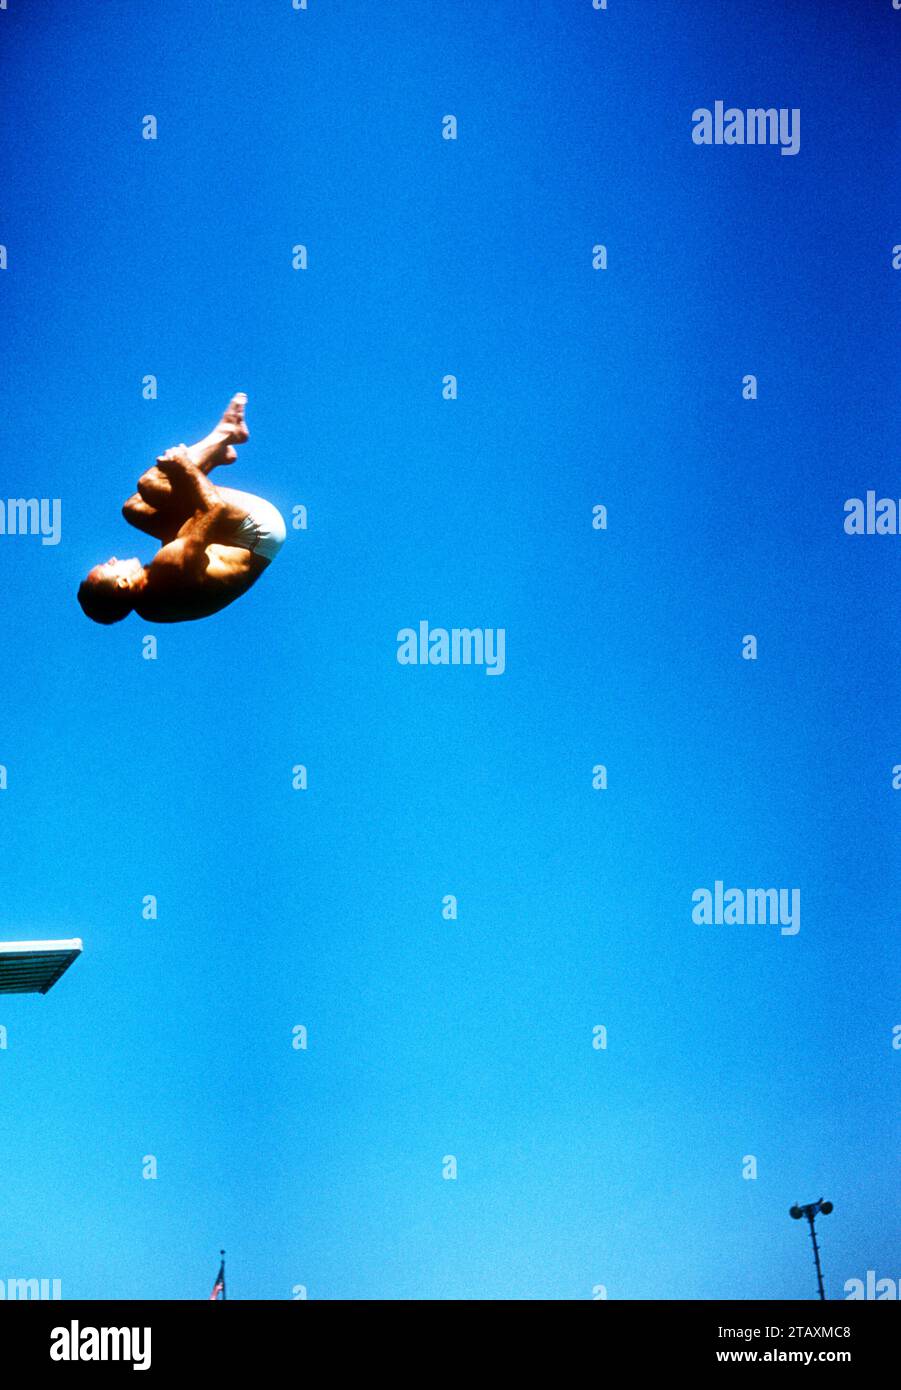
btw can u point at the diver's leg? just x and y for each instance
(160, 522)
(217, 447)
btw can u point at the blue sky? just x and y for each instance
(172, 777)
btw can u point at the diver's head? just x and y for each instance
(107, 592)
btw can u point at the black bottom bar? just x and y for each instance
(290, 1338)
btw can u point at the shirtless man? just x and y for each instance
(214, 542)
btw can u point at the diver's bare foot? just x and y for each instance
(218, 446)
(233, 422)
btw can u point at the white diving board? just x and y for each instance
(33, 967)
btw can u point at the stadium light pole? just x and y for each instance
(811, 1211)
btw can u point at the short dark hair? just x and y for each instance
(104, 601)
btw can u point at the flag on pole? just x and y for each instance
(219, 1286)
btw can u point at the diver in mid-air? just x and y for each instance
(215, 542)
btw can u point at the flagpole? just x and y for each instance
(219, 1286)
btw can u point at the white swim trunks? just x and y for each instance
(263, 529)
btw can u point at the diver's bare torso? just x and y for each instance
(187, 579)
